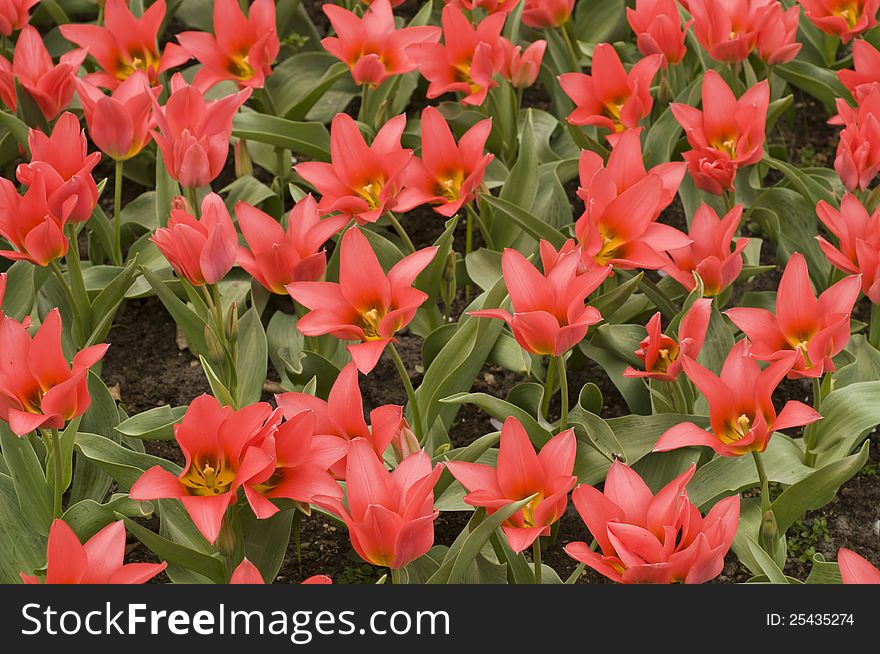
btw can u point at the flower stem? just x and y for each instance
(536, 555)
(563, 387)
(874, 333)
(401, 232)
(474, 215)
(810, 430)
(57, 492)
(410, 392)
(549, 381)
(117, 213)
(765, 483)
(570, 47)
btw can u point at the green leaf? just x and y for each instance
(521, 185)
(88, 517)
(308, 138)
(823, 572)
(154, 424)
(89, 482)
(420, 570)
(20, 292)
(266, 541)
(28, 479)
(848, 413)
(106, 304)
(167, 189)
(192, 326)
(299, 82)
(18, 129)
(22, 547)
(500, 410)
(533, 225)
(767, 564)
(218, 389)
(124, 465)
(251, 361)
(821, 83)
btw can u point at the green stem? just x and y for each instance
(536, 555)
(192, 196)
(71, 300)
(765, 483)
(810, 430)
(549, 381)
(401, 232)
(281, 173)
(117, 213)
(570, 48)
(679, 402)
(484, 229)
(410, 392)
(57, 492)
(874, 333)
(563, 387)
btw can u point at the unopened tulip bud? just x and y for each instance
(232, 322)
(769, 533)
(243, 164)
(215, 349)
(405, 443)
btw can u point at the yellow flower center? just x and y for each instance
(143, 60)
(610, 245)
(208, 477)
(726, 145)
(240, 66)
(528, 512)
(449, 187)
(370, 193)
(370, 321)
(736, 431)
(463, 74)
(850, 12)
(613, 110)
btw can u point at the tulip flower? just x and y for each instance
(520, 473)
(521, 67)
(549, 311)
(844, 18)
(710, 255)
(727, 134)
(341, 418)
(858, 151)
(221, 448)
(390, 515)
(854, 569)
(276, 256)
(728, 29)
(858, 234)
(371, 46)
(489, 6)
(101, 560)
(50, 85)
(610, 97)
(741, 410)
(27, 223)
(38, 389)
(247, 573)
(652, 539)
(361, 181)
(467, 61)
(866, 70)
(120, 123)
(658, 28)
(816, 329)
(201, 250)
(663, 355)
(297, 468)
(448, 174)
(539, 14)
(14, 15)
(126, 43)
(602, 182)
(66, 166)
(777, 36)
(367, 305)
(242, 48)
(194, 133)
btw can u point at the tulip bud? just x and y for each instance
(232, 323)
(180, 203)
(405, 443)
(215, 349)
(243, 164)
(769, 533)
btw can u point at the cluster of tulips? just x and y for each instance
(675, 110)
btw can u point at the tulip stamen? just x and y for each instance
(240, 66)
(737, 430)
(612, 110)
(208, 477)
(370, 321)
(371, 192)
(850, 12)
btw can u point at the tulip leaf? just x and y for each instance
(298, 82)
(108, 301)
(22, 547)
(608, 303)
(823, 572)
(821, 83)
(28, 479)
(500, 410)
(767, 564)
(420, 570)
(308, 138)
(600, 20)
(848, 413)
(484, 267)
(266, 541)
(533, 225)
(192, 326)
(634, 391)
(519, 568)
(101, 418)
(590, 428)
(664, 133)
(521, 185)
(18, 129)
(88, 517)
(469, 453)
(154, 424)
(251, 361)
(124, 465)
(218, 389)
(20, 295)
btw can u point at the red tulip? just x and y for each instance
(341, 418)
(247, 573)
(14, 15)
(710, 255)
(242, 48)
(663, 355)
(297, 469)
(448, 174)
(38, 389)
(546, 13)
(610, 97)
(845, 18)
(549, 311)
(816, 329)
(468, 60)
(652, 539)
(362, 181)
(222, 451)
(120, 123)
(519, 473)
(726, 134)
(728, 29)
(741, 410)
(126, 43)
(858, 151)
(194, 133)
(50, 85)
(521, 67)
(866, 73)
(777, 37)
(489, 6)
(66, 166)
(854, 569)
(28, 224)
(390, 515)
(367, 304)
(276, 256)
(201, 250)
(658, 28)
(372, 47)
(101, 560)
(858, 234)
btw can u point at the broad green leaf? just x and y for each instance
(124, 465)
(251, 359)
(22, 548)
(500, 410)
(308, 138)
(154, 424)
(848, 413)
(88, 517)
(28, 479)
(533, 225)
